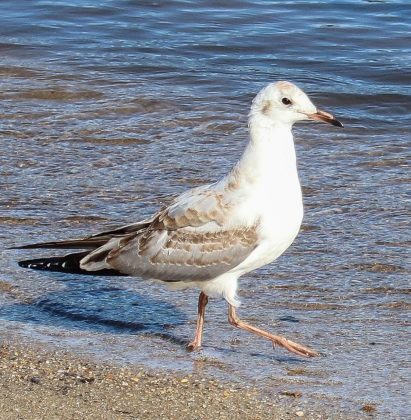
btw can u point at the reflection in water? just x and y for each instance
(109, 110)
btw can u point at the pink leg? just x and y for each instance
(196, 343)
(275, 339)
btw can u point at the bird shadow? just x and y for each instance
(98, 306)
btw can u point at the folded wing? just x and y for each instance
(192, 240)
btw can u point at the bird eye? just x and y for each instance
(286, 101)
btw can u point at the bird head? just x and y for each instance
(284, 103)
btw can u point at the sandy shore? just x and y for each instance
(40, 383)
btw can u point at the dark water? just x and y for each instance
(109, 107)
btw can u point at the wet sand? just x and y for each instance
(38, 383)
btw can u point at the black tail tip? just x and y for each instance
(41, 264)
(68, 264)
(24, 264)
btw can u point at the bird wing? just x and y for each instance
(91, 242)
(193, 239)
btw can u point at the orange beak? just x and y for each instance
(325, 117)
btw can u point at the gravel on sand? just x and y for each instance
(41, 383)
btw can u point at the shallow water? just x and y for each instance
(108, 108)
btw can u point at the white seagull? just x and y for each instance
(210, 236)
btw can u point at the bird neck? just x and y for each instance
(269, 155)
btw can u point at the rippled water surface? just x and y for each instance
(110, 107)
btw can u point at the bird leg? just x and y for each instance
(275, 339)
(196, 343)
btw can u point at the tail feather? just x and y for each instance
(66, 264)
(91, 243)
(71, 263)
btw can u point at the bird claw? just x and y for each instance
(193, 346)
(295, 348)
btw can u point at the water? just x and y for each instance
(110, 107)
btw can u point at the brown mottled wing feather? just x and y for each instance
(185, 242)
(183, 255)
(196, 208)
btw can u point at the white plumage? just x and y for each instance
(211, 235)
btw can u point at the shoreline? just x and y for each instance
(41, 382)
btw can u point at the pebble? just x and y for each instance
(299, 413)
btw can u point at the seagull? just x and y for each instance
(210, 236)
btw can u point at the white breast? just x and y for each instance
(280, 210)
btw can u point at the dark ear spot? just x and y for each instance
(266, 107)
